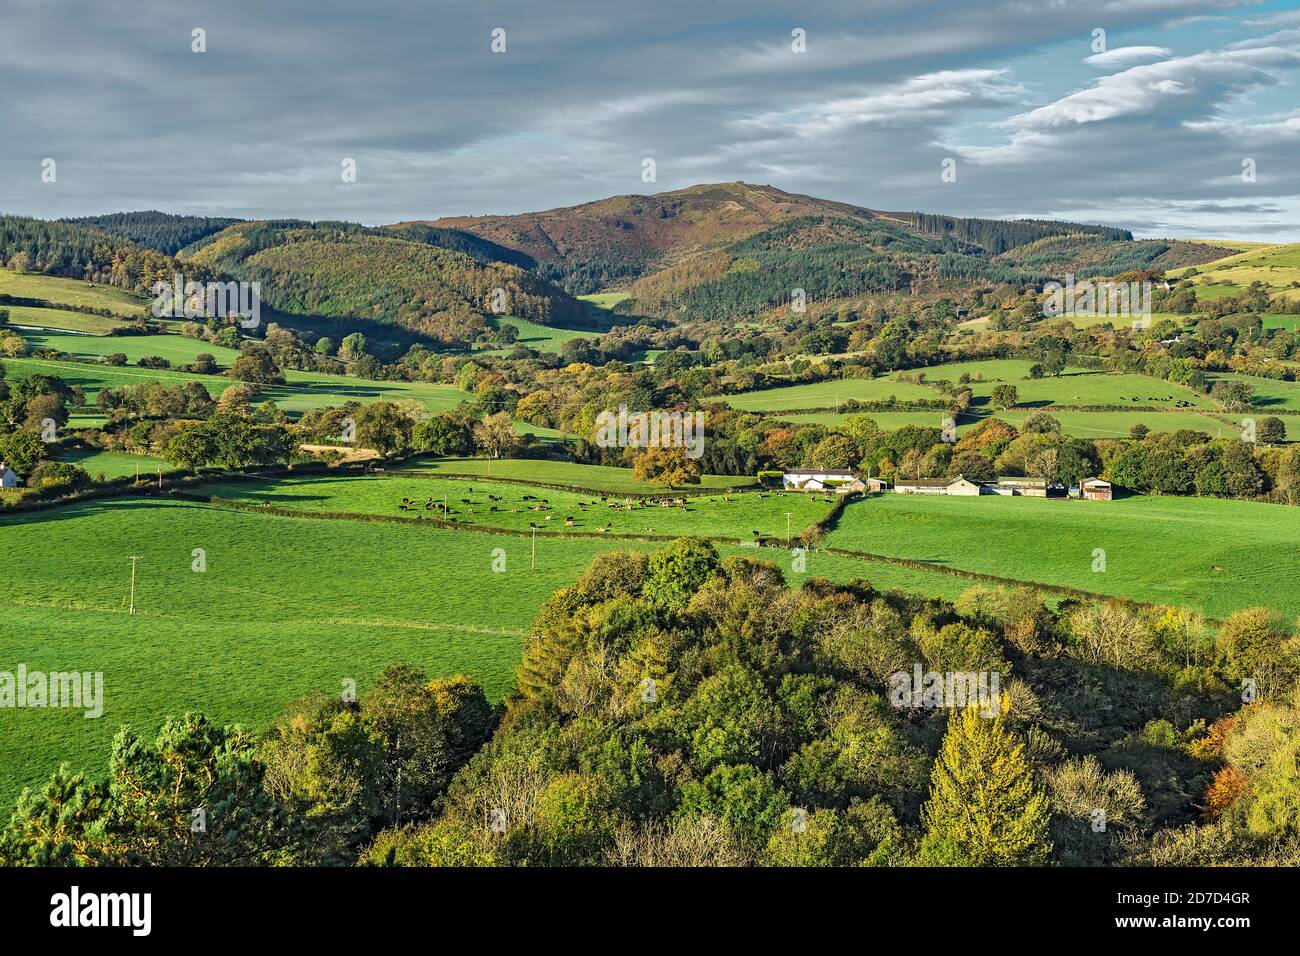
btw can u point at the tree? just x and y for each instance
(352, 347)
(679, 570)
(495, 435)
(256, 366)
(985, 808)
(192, 795)
(666, 466)
(443, 434)
(1005, 396)
(834, 452)
(1270, 430)
(22, 449)
(384, 427)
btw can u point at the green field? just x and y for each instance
(594, 477)
(827, 394)
(286, 606)
(304, 390)
(542, 338)
(115, 464)
(727, 516)
(1074, 387)
(1215, 555)
(605, 300)
(177, 349)
(58, 291)
(62, 320)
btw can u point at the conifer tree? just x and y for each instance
(984, 808)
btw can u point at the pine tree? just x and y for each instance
(984, 807)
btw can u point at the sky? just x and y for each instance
(1173, 118)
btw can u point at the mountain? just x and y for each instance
(347, 271)
(735, 250)
(158, 230)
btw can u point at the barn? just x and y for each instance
(1096, 489)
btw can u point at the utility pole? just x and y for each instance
(134, 559)
(534, 567)
(787, 528)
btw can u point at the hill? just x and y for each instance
(740, 240)
(346, 271)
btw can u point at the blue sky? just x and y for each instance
(1150, 134)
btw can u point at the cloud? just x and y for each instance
(1126, 56)
(1203, 79)
(439, 125)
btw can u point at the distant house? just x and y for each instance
(937, 486)
(876, 484)
(8, 478)
(816, 480)
(1029, 487)
(1096, 489)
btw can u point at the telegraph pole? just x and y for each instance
(134, 559)
(787, 528)
(534, 567)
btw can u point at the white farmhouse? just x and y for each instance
(815, 480)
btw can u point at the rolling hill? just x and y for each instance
(346, 271)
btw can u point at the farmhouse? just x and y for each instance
(815, 480)
(937, 486)
(1096, 489)
(8, 479)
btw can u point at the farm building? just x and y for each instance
(1029, 487)
(814, 480)
(1096, 489)
(8, 478)
(937, 486)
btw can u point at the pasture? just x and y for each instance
(285, 606)
(593, 477)
(486, 504)
(302, 391)
(826, 394)
(58, 291)
(62, 320)
(176, 349)
(1215, 555)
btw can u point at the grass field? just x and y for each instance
(1211, 554)
(594, 477)
(177, 349)
(543, 338)
(827, 394)
(59, 291)
(1074, 387)
(727, 516)
(304, 390)
(605, 300)
(115, 464)
(62, 320)
(286, 606)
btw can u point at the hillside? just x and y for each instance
(342, 270)
(662, 247)
(157, 230)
